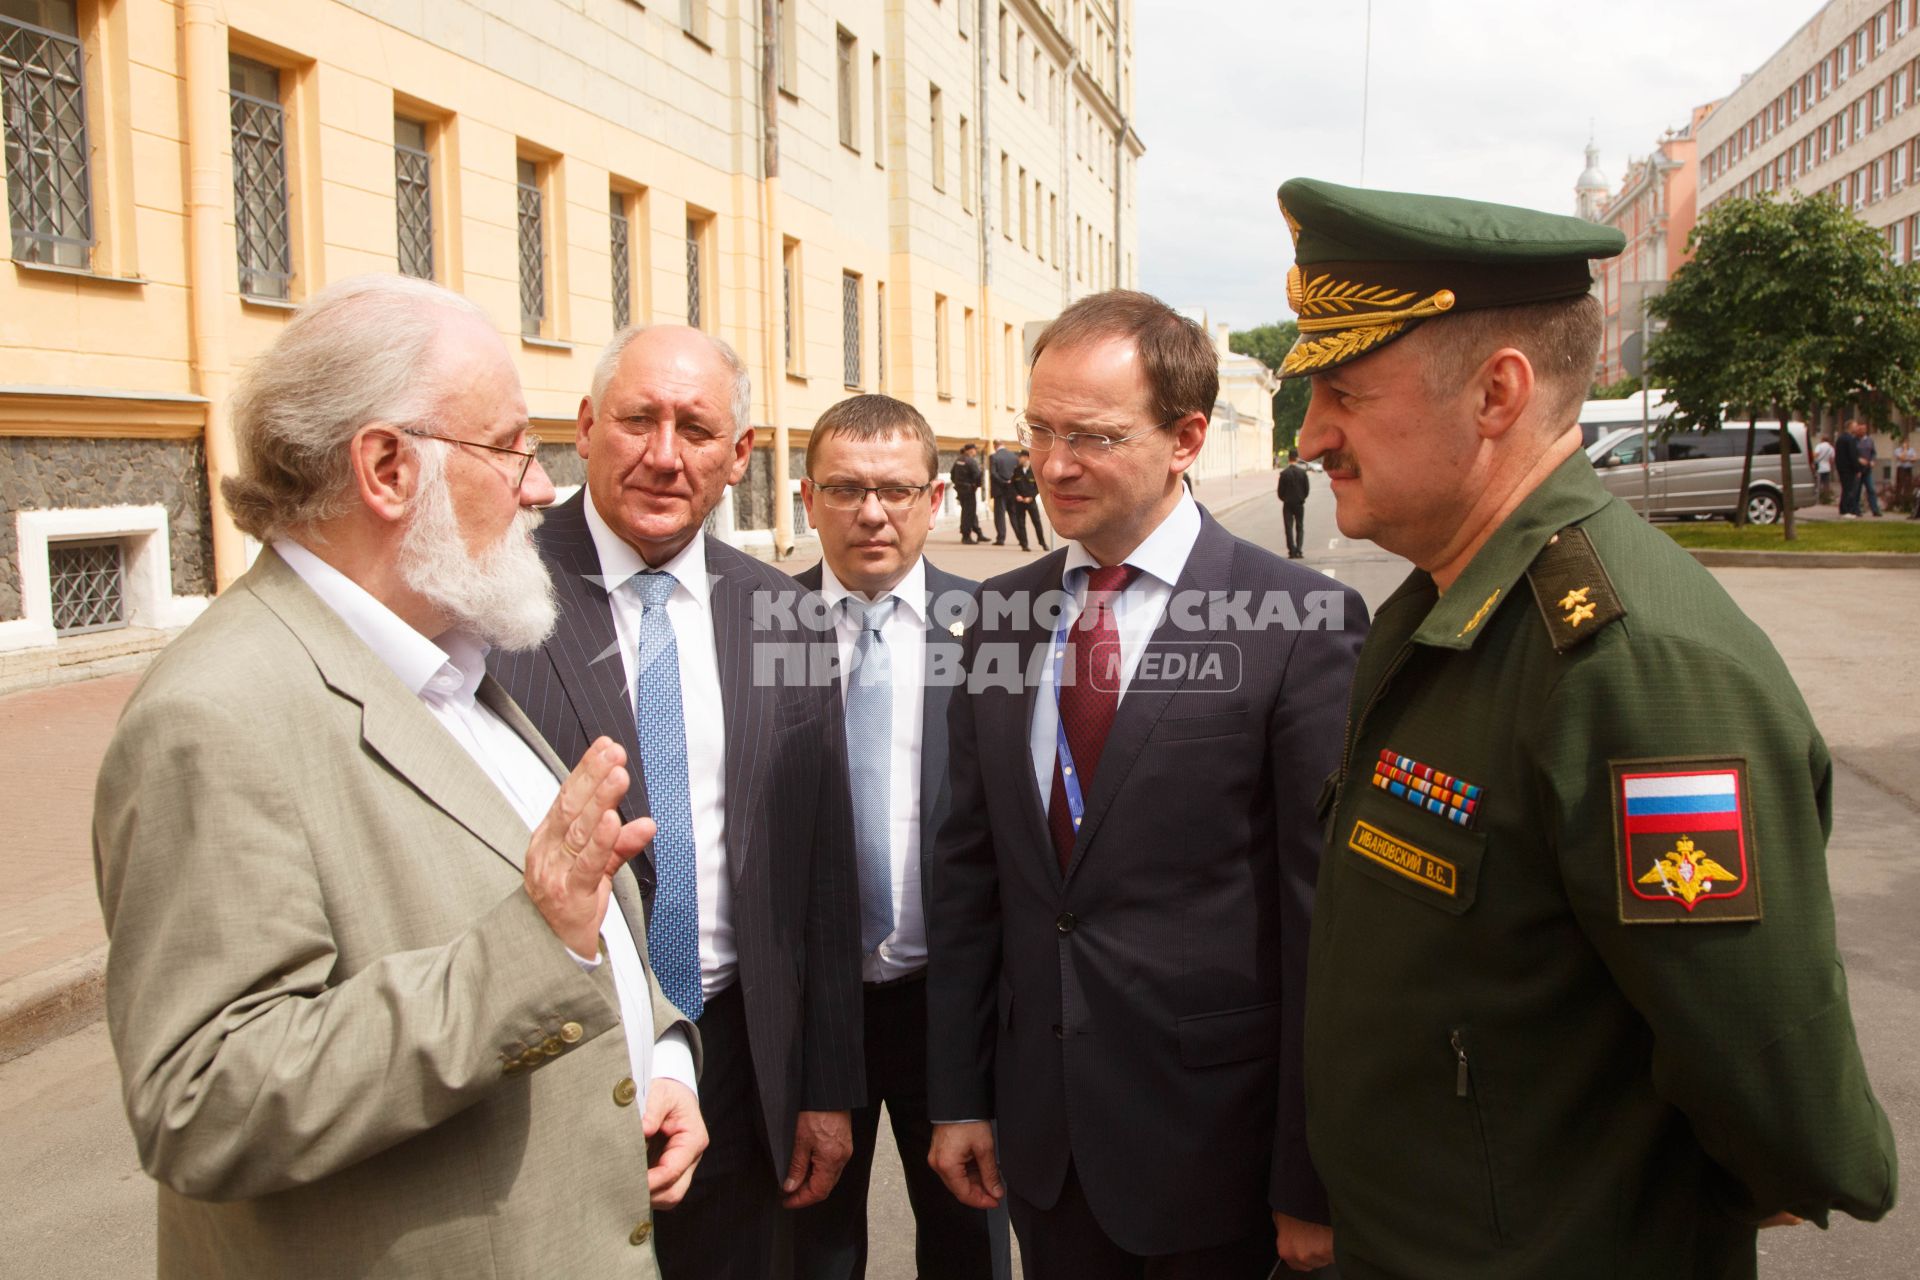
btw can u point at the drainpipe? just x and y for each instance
(984, 35)
(772, 327)
(203, 31)
(1119, 151)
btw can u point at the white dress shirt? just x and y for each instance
(903, 951)
(1137, 612)
(445, 675)
(690, 613)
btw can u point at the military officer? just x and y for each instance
(1574, 1002)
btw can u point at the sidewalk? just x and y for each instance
(52, 944)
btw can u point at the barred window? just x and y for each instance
(262, 234)
(88, 581)
(533, 248)
(850, 328)
(880, 336)
(43, 97)
(413, 197)
(620, 247)
(694, 289)
(789, 301)
(843, 77)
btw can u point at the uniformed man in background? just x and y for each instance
(1575, 1006)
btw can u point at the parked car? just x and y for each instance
(1603, 417)
(1697, 473)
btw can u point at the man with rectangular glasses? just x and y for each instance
(871, 490)
(1119, 901)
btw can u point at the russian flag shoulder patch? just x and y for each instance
(1684, 847)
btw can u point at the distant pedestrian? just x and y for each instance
(1868, 489)
(1823, 467)
(1293, 488)
(966, 487)
(1025, 491)
(1001, 467)
(1846, 461)
(1904, 455)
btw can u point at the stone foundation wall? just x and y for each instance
(49, 473)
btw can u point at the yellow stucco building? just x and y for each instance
(925, 182)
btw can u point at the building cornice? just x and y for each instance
(99, 413)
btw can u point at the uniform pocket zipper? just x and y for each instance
(1463, 1088)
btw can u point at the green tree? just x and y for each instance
(1786, 306)
(1269, 344)
(1620, 390)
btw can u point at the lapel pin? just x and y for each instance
(958, 627)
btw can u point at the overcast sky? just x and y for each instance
(1491, 99)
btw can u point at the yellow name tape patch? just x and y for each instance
(1397, 855)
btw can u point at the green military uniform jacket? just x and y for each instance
(1575, 1006)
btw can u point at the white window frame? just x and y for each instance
(147, 569)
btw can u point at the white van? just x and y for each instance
(1602, 417)
(1697, 473)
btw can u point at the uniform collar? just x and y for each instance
(1569, 494)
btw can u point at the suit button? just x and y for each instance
(551, 1046)
(1066, 922)
(530, 1058)
(1058, 1034)
(641, 1234)
(624, 1093)
(571, 1032)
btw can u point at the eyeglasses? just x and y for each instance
(851, 497)
(1081, 444)
(526, 456)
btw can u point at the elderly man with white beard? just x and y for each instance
(379, 1002)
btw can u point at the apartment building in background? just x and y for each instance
(181, 174)
(1836, 110)
(1655, 208)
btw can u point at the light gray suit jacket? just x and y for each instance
(350, 1045)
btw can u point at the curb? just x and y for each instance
(39, 1008)
(1726, 559)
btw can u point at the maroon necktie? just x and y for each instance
(1089, 695)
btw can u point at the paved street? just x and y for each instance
(78, 1205)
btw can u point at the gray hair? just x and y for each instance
(741, 404)
(358, 352)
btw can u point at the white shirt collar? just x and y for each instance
(619, 561)
(1161, 554)
(910, 591)
(450, 665)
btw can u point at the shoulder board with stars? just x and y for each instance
(1572, 589)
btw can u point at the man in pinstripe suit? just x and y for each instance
(750, 883)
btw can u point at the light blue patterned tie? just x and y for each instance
(870, 767)
(673, 935)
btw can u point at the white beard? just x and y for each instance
(503, 596)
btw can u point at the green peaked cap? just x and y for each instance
(1370, 266)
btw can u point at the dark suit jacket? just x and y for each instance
(789, 816)
(1001, 465)
(1294, 485)
(947, 594)
(1141, 1015)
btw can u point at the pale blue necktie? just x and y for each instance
(673, 935)
(870, 767)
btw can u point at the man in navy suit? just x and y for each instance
(1118, 904)
(894, 623)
